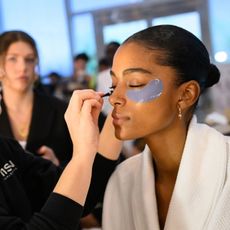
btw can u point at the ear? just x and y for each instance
(188, 94)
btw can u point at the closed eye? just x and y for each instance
(136, 86)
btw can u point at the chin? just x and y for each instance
(122, 135)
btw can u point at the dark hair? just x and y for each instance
(81, 56)
(110, 50)
(181, 50)
(114, 44)
(9, 37)
(103, 61)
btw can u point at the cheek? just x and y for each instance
(10, 71)
(8, 68)
(146, 119)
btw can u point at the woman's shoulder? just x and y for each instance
(7, 142)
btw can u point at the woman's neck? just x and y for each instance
(16, 101)
(166, 148)
(167, 152)
(19, 108)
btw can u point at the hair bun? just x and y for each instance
(213, 76)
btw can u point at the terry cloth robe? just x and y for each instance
(201, 196)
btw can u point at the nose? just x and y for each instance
(117, 98)
(21, 64)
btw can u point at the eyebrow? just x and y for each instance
(132, 70)
(16, 54)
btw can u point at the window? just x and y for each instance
(189, 21)
(84, 38)
(88, 5)
(47, 26)
(119, 32)
(220, 34)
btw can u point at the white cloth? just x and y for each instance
(201, 196)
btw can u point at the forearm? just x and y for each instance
(109, 146)
(102, 170)
(75, 179)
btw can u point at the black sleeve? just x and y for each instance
(41, 181)
(38, 177)
(58, 213)
(102, 170)
(17, 203)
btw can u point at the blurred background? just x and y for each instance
(64, 28)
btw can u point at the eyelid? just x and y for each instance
(137, 85)
(30, 59)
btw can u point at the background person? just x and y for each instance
(32, 118)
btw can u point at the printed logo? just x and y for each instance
(7, 170)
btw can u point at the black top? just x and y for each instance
(47, 126)
(26, 184)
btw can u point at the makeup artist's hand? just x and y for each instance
(82, 120)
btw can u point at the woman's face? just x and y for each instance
(19, 67)
(136, 74)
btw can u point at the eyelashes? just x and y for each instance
(137, 86)
(129, 86)
(112, 88)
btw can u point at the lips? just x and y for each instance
(22, 77)
(119, 119)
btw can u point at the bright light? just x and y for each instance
(221, 56)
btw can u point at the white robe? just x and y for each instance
(201, 196)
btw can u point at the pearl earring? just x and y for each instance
(179, 112)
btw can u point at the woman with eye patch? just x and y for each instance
(181, 180)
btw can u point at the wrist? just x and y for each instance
(84, 157)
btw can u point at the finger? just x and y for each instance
(42, 150)
(90, 105)
(81, 95)
(46, 157)
(92, 108)
(77, 100)
(96, 111)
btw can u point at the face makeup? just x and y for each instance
(149, 92)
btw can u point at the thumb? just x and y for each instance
(42, 150)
